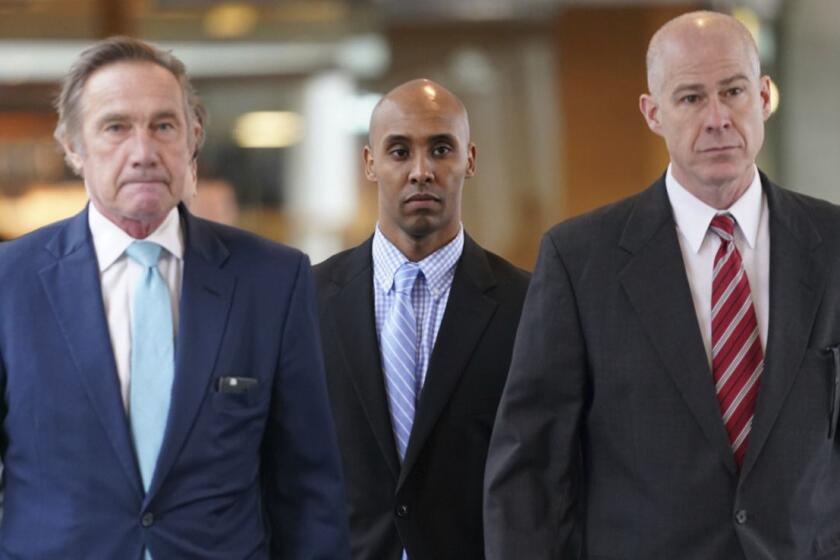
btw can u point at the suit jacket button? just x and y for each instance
(741, 516)
(402, 510)
(148, 519)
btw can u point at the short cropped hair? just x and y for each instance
(122, 49)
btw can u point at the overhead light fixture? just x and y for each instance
(268, 129)
(228, 21)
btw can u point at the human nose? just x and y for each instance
(144, 152)
(717, 116)
(421, 171)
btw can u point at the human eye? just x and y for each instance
(114, 127)
(690, 99)
(441, 150)
(398, 152)
(734, 91)
(164, 126)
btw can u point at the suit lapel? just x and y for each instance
(350, 318)
(797, 277)
(468, 311)
(206, 294)
(656, 284)
(75, 295)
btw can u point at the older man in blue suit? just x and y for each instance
(163, 392)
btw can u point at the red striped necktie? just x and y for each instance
(737, 357)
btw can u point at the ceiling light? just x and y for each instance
(268, 129)
(228, 21)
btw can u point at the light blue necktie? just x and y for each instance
(152, 358)
(399, 355)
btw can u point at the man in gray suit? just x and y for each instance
(673, 391)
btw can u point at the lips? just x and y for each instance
(140, 181)
(718, 149)
(422, 197)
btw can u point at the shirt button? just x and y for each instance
(402, 510)
(741, 516)
(148, 519)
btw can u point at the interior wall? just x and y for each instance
(608, 150)
(810, 105)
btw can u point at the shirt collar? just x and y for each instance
(438, 268)
(693, 216)
(110, 241)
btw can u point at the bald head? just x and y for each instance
(419, 156)
(696, 30)
(417, 96)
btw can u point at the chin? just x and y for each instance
(150, 211)
(419, 230)
(421, 225)
(725, 174)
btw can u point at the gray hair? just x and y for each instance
(122, 49)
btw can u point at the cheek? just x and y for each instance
(100, 182)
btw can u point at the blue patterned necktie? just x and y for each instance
(152, 358)
(399, 355)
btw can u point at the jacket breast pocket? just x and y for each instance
(238, 419)
(825, 365)
(231, 393)
(833, 389)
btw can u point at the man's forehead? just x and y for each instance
(133, 81)
(417, 123)
(706, 62)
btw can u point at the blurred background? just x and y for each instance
(551, 86)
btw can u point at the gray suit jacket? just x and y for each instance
(609, 441)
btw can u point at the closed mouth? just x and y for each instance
(716, 149)
(422, 197)
(144, 181)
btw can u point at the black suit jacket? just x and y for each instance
(432, 504)
(609, 425)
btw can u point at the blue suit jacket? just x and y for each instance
(240, 475)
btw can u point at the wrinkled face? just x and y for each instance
(710, 109)
(133, 149)
(420, 155)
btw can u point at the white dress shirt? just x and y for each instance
(699, 246)
(118, 274)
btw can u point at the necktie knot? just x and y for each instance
(723, 225)
(405, 276)
(145, 253)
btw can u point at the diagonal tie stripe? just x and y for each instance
(737, 356)
(399, 355)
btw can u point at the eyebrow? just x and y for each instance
(115, 116)
(444, 137)
(401, 138)
(395, 139)
(734, 78)
(700, 87)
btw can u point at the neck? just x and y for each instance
(418, 248)
(136, 228)
(718, 195)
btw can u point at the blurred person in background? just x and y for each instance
(674, 388)
(162, 378)
(418, 325)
